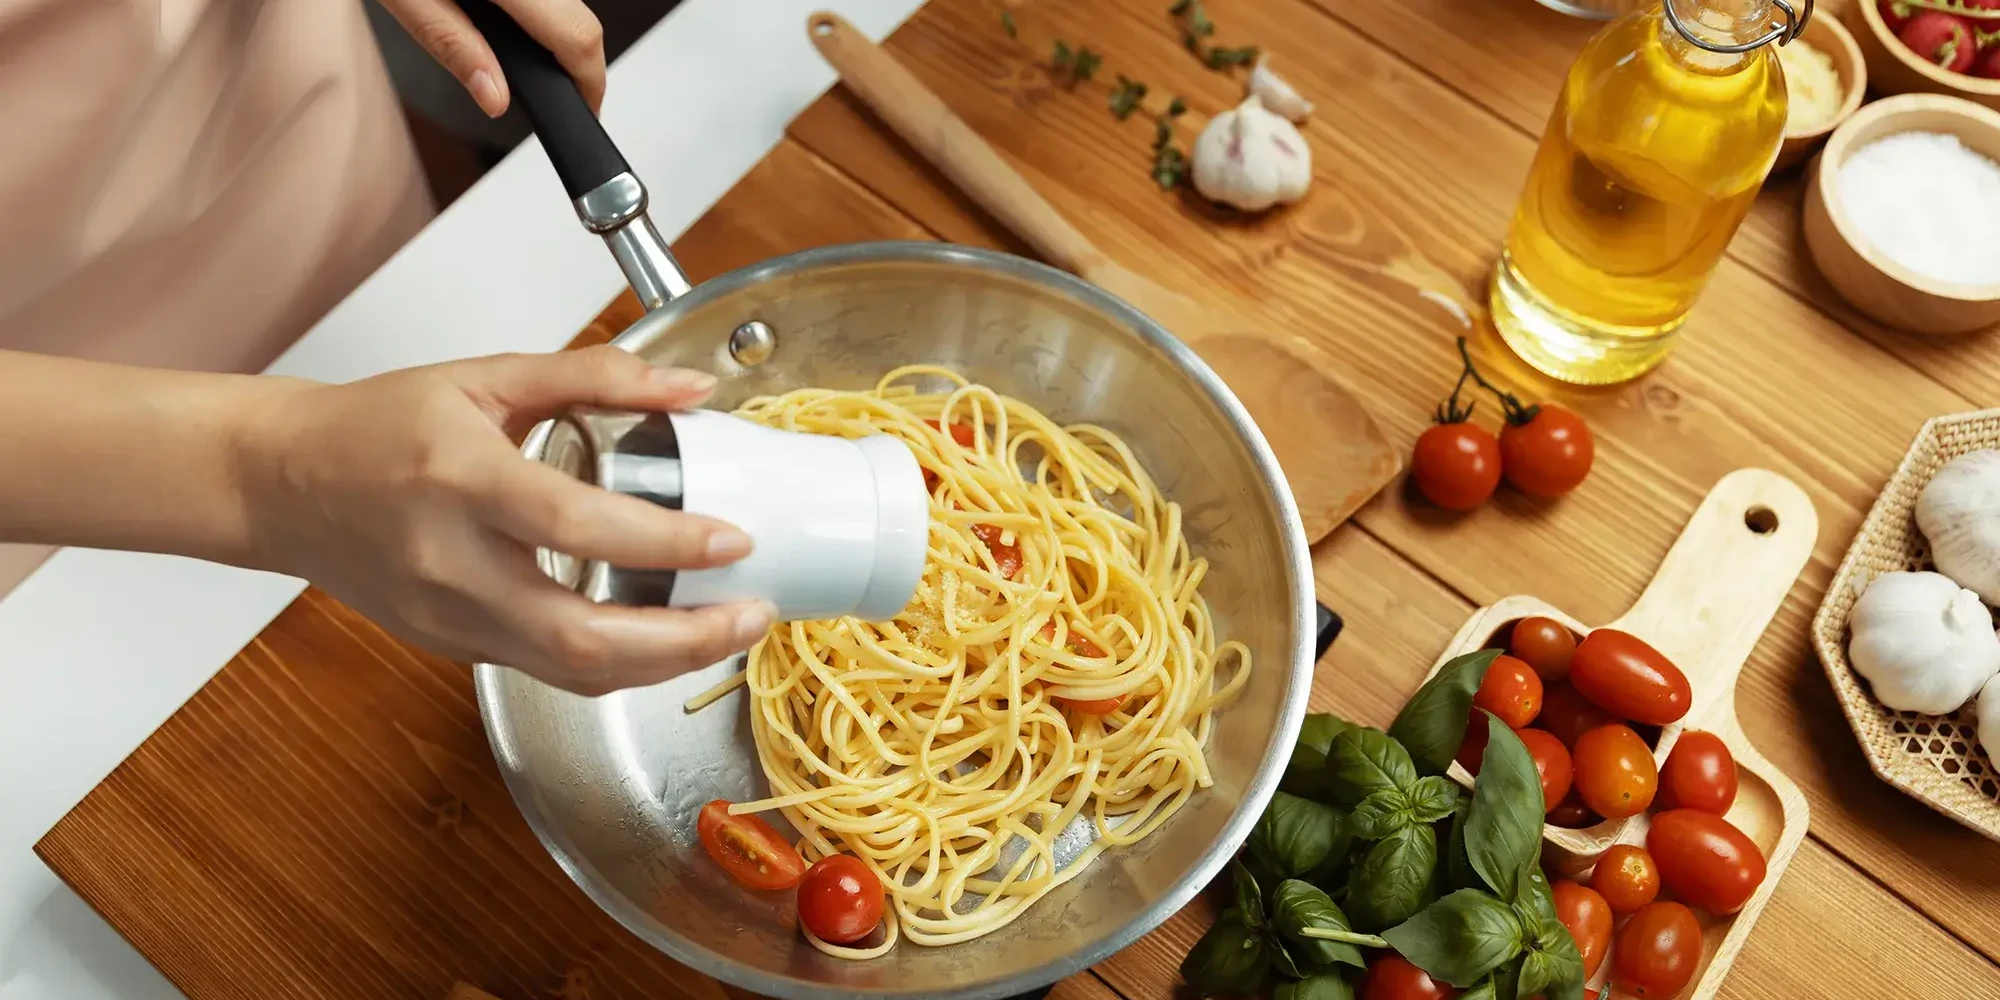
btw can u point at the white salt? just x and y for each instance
(1928, 203)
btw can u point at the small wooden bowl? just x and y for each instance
(1896, 70)
(1885, 290)
(1831, 37)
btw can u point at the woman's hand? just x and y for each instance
(564, 27)
(404, 496)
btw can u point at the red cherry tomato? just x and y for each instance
(1615, 774)
(749, 849)
(1700, 773)
(840, 900)
(1545, 644)
(1551, 762)
(1567, 715)
(1628, 678)
(1472, 749)
(1705, 860)
(1588, 918)
(961, 432)
(1512, 690)
(1392, 977)
(1572, 813)
(1626, 877)
(1657, 952)
(1006, 555)
(1456, 465)
(1081, 646)
(1549, 454)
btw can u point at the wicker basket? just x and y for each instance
(1935, 758)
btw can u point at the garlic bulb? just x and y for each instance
(1276, 94)
(1989, 718)
(1251, 159)
(1925, 643)
(1959, 514)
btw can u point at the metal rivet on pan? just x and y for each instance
(752, 343)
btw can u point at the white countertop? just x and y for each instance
(98, 648)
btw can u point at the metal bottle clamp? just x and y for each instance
(1783, 34)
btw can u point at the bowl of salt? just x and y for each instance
(1902, 215)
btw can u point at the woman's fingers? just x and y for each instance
(540, 505)
(518, 390)
(594, 648)
(444, 31)
(568, 29)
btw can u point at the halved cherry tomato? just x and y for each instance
(1511, 690)
(1657, 952)
(1567, 715)
(1006, 556)
(749, 849)
(1588, 918)
(1081, 646)
(1700, 773)
(1549, 453)
(1624, 676)
(1392, 977)
(1456, 465)
(1705, 860)
(1074, 642)
(1572, 813)
(1544, 644)
(1615, 773)
(1090, 706)
(1552, 763)
(1626, 877)
(961, 432)
(840, 900)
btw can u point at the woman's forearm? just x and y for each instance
(108, 456)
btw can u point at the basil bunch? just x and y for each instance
(1351, 845)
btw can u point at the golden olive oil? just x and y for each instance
(1653, 154)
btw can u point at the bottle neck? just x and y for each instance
(1719, 23)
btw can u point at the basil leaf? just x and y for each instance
(1380, 814)
(1433, 798)
(1457, 867)
(1318, 986)
(1432, 724)
(1537, 904)
(1229, 960)
(1332, 873)
(1459, 938)
(1249, 899)
(1507, 982)
(1483, 991)
(1296, 906)
(1503, 829)
(1281, 959)
(1305, 774)
(1363, 761)
(1554, 957)
(1295, 835)
(1390, 882)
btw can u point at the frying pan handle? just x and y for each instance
(607, 196)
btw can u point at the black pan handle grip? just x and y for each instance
(1329, 630)
(583, 154)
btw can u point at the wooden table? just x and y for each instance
(324, 819)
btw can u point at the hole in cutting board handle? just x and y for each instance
(1762, 520)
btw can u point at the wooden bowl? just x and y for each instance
(1762, 527)
(1831, 37)
(1894, 69)
(1887, 291)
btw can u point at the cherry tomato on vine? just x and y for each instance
(749, 849)
(1700, 773)
(1567, 715)
(1572, 813)
(1546, 450)
(1626, 877)
(1544, 644)
(840, 900)
(1552, 763)
(1705, 860)
(1615, 773)
(1456, 465)
(1511, 690)
(1588, 918)
(1657, 952)
(1623, 675)
(1392, 977)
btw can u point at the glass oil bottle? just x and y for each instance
(1666, 126)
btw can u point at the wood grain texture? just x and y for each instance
(324, 820)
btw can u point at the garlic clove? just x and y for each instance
(1924, 643)
(1959, 514)
(1251, 159)
(1989, 718)
(1277, 94)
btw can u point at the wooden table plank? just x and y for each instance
(1762, 378)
